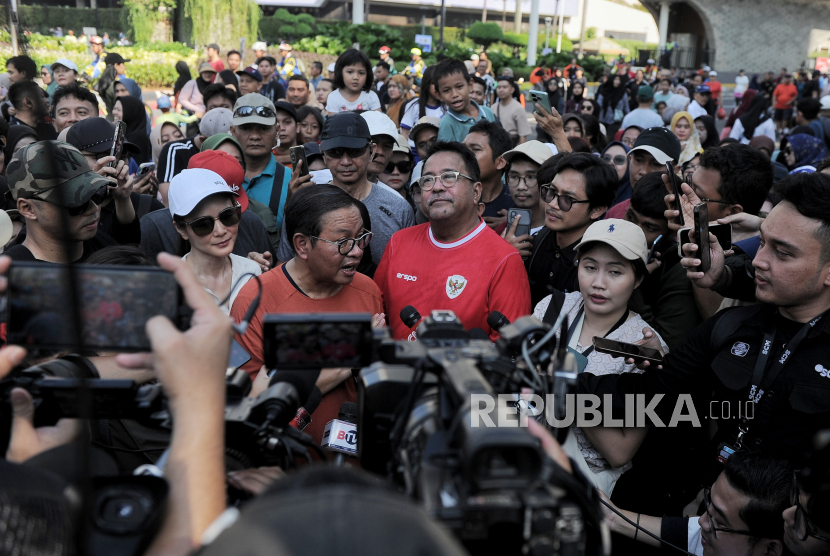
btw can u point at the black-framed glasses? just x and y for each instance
(690, 182)
(244, 111)
(404, 167)
(513, 180)
(338, 152)
(565, 202)
(802, 524)
(204, 225)
(707, 502)
(617, 160)
(98, 198)
(345, 246)
(448, 179)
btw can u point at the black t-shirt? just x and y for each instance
(20, 252)
(174, 157)
(109, 220)
(502, 202)
(809, 87)
(550, 267)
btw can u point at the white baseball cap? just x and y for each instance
(380, 124)
(331, 67)
(626, 238)
(259, 45)
(536, 151)
(713, 73)
(189, 187)
(65, 62)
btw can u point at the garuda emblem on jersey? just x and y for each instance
(455, 285)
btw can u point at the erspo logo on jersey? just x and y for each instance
(407, 277)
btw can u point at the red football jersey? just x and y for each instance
(473, 276)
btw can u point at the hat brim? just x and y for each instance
(76, 191)
(414, 131)
(106, 147)
(249, 75)
(212, 189)
(658, 155)
(509, 155)
(56, 64)
(620, 248)
(343, 141)
(253, 119)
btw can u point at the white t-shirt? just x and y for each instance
(412, 110)
(767, 127)
(741, 84)
(240, 266)
(696, 110)
(366, 101)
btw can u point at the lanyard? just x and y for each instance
(572, 328)
(758, 379)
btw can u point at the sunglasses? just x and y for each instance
(98, 198)
(338, 152)
(204, 225)
(263, 111)
(404, 167)
(564, 201)
(617, 160)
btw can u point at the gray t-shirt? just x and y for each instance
(159, 234)
(388, 211)
(642, 117)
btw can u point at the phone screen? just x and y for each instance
(312, 341)
(115, 305)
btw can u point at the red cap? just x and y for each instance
(226, 166)
(385, 49)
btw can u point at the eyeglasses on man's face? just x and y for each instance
(707, 502)
(803, 529)
(448, 179)
(565, 202)
(345, 245)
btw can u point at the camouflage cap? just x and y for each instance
(54, 172)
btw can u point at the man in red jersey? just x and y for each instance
(453, 262)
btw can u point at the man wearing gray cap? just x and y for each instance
(175, 155)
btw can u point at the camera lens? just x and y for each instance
(122, 510)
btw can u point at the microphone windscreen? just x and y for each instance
(303, 381)
(348, 412)
(410, 316)
(313, 401)
(496, 320)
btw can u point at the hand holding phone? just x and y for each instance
(701, 236)
(542, 98)
(118, 142)
(298, 154)
(674, 188)
(627, 351)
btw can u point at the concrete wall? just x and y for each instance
(609, 16)
(756, 35)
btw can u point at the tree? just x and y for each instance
(485, 34)
(222, 21)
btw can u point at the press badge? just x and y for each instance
(724, 451)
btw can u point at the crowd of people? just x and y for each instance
(368, 190)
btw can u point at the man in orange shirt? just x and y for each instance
(783, 99)
(328, 236)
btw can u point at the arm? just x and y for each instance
(552, 124)
(185, 94)
(617, 445)
(618, 525)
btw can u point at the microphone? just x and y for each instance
(303, 417)
(287, 391)
(410, 316)
(340, 435)
(496, 320)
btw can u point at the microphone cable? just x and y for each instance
(242, 326)
(644, 530)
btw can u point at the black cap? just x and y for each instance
(312, 149)
(114, 58)
(95, 135)
(660, 143)
(214, 46)
(286, 107)
(346, 129)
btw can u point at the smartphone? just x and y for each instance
(701, 217)
(626, 350)
(524, 222)
(118, 142)
(297, 154)
(721, 231)
(653, 249)
(146, 168)
(115, 303)
(541, 97)
(675, 189)
(317, 341)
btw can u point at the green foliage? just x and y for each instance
(515, 39)
(146, 16)
(222, 21)
(38, 19)
(485, 34)
(591, 33)
(321, 44)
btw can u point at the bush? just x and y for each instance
(485, 34)
(38, 19)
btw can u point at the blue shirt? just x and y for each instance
(456, 126)
(260, 188)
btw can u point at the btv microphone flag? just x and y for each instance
(340, 435)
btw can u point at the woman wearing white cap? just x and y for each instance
(612, 263)
(206, 215)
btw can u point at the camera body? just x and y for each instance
(490, 485)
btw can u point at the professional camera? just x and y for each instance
(494, 487)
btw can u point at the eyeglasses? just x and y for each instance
(707, 502)
(688, 180)
(617, 160)
(628, 141)
(404, 167)
(337, 153)
(345, 246)
(244, 111)
(204, 225)
(415, 191)
(564, 201)
(802, 525)
(513, 180)
(98, 198)
(448, 179)
(587, 107)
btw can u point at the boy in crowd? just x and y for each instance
(478, 90)
(452, 82)
(489, 141)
